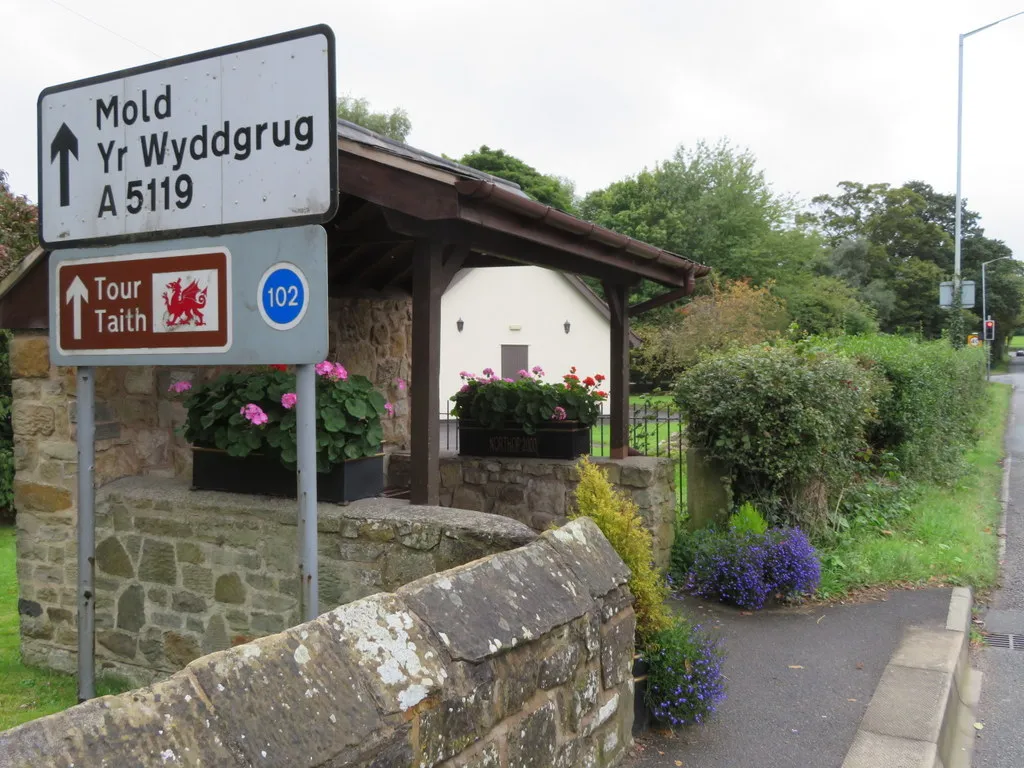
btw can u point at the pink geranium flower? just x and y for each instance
(464, 388)
(559, 413)
(389, 408)
(254, 414)
(523, 373)
(488, 371)
(288, 400)
(401, 384)
(180, 386)
(325, 368)
(538, 370)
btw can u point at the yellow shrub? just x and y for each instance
(620, 522)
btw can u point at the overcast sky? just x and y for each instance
(819, 90)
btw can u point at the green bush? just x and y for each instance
(787, 420)
(934, 402)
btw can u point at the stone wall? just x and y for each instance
(539, 492)
(180, 573)
(138, 422)
(520, 659)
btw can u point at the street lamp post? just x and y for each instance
(984, 314)
(959, 153)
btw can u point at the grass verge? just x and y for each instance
(948, 535)
(28, 692)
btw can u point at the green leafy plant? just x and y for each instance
(620, 522)
(748, 520)
(529, 402)
(247, 412)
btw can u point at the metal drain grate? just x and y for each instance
(1000, 640)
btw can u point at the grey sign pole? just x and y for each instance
(305, 437)
(86, 534)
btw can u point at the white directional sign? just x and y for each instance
(233, 139)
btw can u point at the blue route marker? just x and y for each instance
(283, 296)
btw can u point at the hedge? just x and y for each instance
(798, 422)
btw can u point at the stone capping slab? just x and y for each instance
(920, 713)
(356, 685)
(175, 493)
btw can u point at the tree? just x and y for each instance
(826, 305)
(893, 245)
(19, 221)
(710, 204)
(551, 190)
(736, 314)
(394, 124)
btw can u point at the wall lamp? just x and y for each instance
(566, 326)
(459, 324)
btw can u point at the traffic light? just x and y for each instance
(990, 330)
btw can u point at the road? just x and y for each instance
(1001, 711)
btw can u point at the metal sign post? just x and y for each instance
(305, 438)
(239, 139)
(85, 394)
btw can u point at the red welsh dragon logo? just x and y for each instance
(184, 305)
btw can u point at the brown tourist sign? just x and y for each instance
(168, 302)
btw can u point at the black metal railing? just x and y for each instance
(655, 428)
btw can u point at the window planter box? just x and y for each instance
(559, 440)
(263, 475)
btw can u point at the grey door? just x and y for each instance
(514, 358)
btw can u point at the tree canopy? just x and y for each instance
(394, 124)
(550, 190)
(893, 245)
(18, 226)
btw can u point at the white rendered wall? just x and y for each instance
(539, 301)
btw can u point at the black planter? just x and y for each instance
(642, 718)
(263, 475)
(559, 440)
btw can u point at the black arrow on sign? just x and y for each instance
(64, 143)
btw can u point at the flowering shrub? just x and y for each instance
(684, 676)
(745, 568)
(620, 522)
(528, 402)
(242, 413)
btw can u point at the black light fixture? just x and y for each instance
(459, 324)
(566, 326)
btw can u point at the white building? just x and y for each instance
(511, 318)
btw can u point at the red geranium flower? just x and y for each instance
(573, 369)
(600, 377)
(600, 393)
(571, 377)
(589, 381)
(279, 367)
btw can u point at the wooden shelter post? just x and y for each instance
(617, 296)
(427, 287)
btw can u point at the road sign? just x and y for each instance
(195, 301)
(973, 340)
(232, 139)
(283, 296)
(966, 294)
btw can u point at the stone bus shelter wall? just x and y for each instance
(540, 492)
(180, 573)
(520, 659)
(138, 425)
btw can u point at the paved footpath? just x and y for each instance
(1001, 710)
(798, 681)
